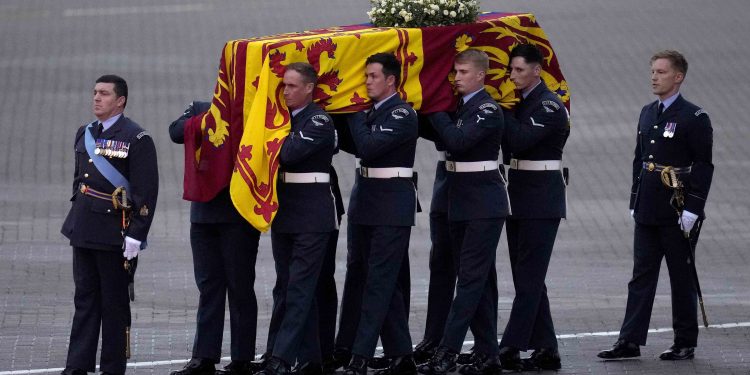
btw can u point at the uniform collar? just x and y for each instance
(526, 93)
(106, 124)
(380, 103)
(298, 110)
(670, 100)
(468, 97)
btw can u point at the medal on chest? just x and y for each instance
(111, 148)
(669, 129)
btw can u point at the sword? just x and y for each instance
(669, 179)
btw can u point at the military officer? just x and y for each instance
(302, 229)
(326, 297)
(115, 159)
(382, 208)
(477, 207)
(224, 247)
(533, 146)
(671, 132)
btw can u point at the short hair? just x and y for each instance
(530, 53)
(391, 65)
(476, 57)
(121, 87)
(308, 73)
(675, 58)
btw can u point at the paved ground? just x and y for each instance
(168, 50)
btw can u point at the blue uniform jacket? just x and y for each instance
(473, 134)
(307, 207)
(387, 137)
(94, 223)
(537, 130)
(690, 146)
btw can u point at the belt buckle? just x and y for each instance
(450, 166)
(513, 163)
(83, 189)
(651, 167)
(363, 171)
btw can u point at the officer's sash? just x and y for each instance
(100, 162)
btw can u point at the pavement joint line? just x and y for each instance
(379, 349)
(115, 11)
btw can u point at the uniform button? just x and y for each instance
(91, 160)
(653, 141)
(656, 127)
(651, 156)
(108, 210)
(86, 175)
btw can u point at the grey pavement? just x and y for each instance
(168, 50)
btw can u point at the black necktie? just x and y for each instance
(98, 130)
(660, 110)
(459, 105)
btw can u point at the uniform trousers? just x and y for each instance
(442, 278)
(384, 251)
(326, 300)
(224, 257)
(474, 245)
(530, 243)
(101, 300)
(299, 259)
(651, 244)
(351, 299)
(327, 297)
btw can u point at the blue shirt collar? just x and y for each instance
(298, 110)
(378, 104)
(668, 101)
(468, 97)
(106, 124)
(527, 92)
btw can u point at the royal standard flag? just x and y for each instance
(237, 142)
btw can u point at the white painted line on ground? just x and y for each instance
(466, 343)
(115, 11)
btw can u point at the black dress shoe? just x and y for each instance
(466, 358)
(257, 366)
(378, 363)
(546, 359)
(403, 365)
(197, 366)
(676, 353)
(357, 366)
(442, 362)
(330, 365)
(73, 371)
(621, 349)
(340, 358)
(307, 368)
(510, 358)
(275, 366)
(238, 368)
(483, 365)
(424, 351)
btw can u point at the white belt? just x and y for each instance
(536, 165)
(305, 178)
(391, 172)
(441, 156)
(470, 166)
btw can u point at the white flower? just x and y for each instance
(453, 14)
(445, 12)
(393, 10)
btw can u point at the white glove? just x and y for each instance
(132, 247)
(687, 221)
(632, 213)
